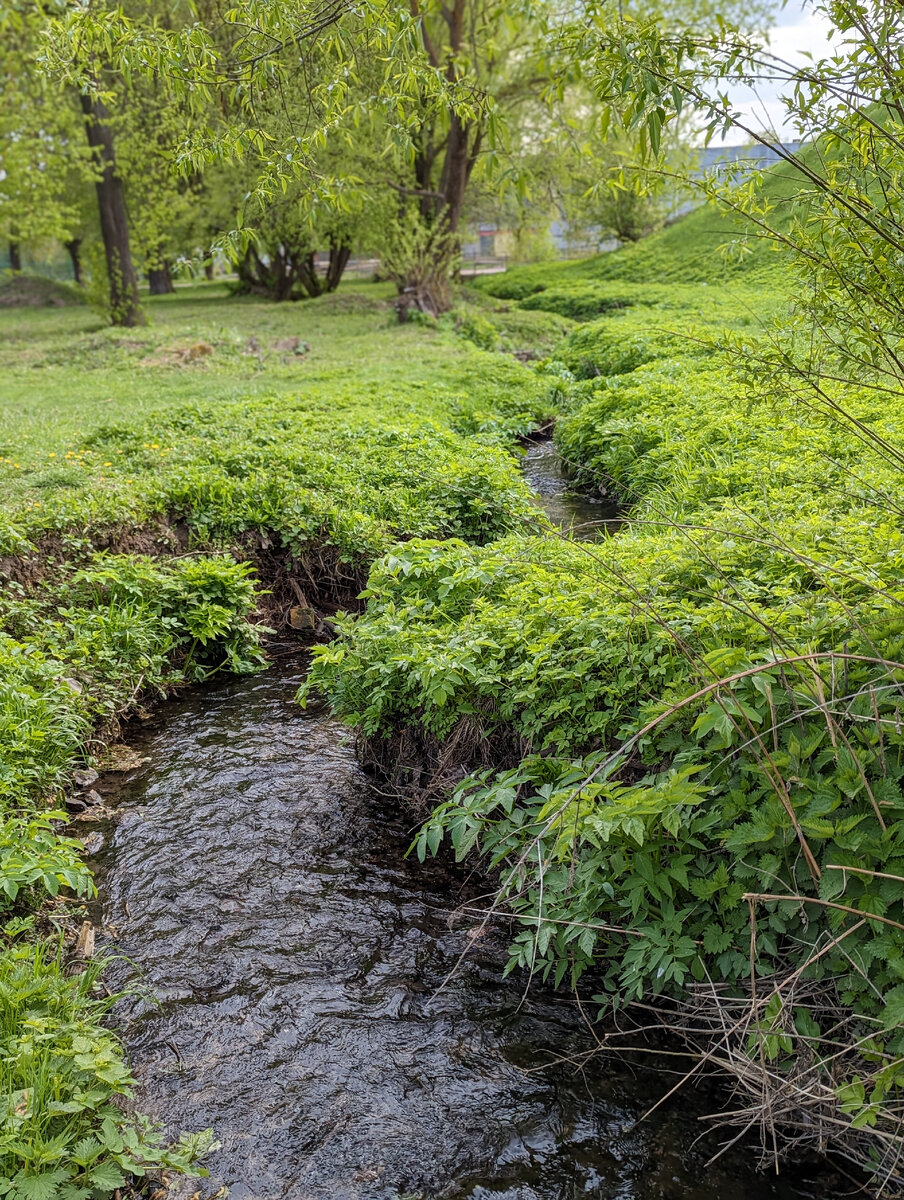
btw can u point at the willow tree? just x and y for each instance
(441, 81)
(840, 224)
(41, 145)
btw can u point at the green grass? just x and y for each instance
(763, 569)
(709, 246)
(64, 371)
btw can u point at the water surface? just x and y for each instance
(304, 991)
(581, 515)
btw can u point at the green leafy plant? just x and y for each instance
(62, 1134)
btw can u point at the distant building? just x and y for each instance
(747, 158)
(752, 155)
(490, 241)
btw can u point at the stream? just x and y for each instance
(335, 1010)
(581, 515)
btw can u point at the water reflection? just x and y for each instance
(583, 516)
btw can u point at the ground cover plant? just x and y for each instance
(678, 749)
(692, 788)
(128, 516)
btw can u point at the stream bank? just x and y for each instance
(580, 515)
(336, 1011)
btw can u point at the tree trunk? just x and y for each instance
(307, 274)
(125, 308)
(15, 256)
(457, 165)
(339, 256)
(208, 270)
(160, 282)
(74, 247)
(274, 279)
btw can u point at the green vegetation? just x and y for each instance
(126, 575)
(63, 1135)
(678, 751)
(651, 727)
(694, 727)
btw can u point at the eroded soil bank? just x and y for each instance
(334, 1010)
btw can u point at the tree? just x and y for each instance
(124, 302)
(442, 73)
(286, 229)
(41, 146)
(487, 57)
(271, 83)
(53, 137)
(162, 203)
(840, 223)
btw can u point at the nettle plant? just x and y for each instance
(64, 1134)
(707, 712)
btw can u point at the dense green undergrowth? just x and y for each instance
(702, 709)
(123, 552)
(708, 706)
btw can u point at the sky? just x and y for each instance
(797, 29)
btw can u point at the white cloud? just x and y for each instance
(798, 32)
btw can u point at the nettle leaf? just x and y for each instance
(893, 1013)
(107, 1176)
(40, 1187)
(832, 884)
(85, 1151)
(72, 1191)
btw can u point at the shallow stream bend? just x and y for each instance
(303, 991)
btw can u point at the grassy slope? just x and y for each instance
(63, 372)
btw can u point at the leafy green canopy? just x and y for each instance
(838, 215)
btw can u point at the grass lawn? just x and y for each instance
(63, 371)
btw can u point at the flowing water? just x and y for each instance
(303, 991)
(337, 1012)
(582, 515)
